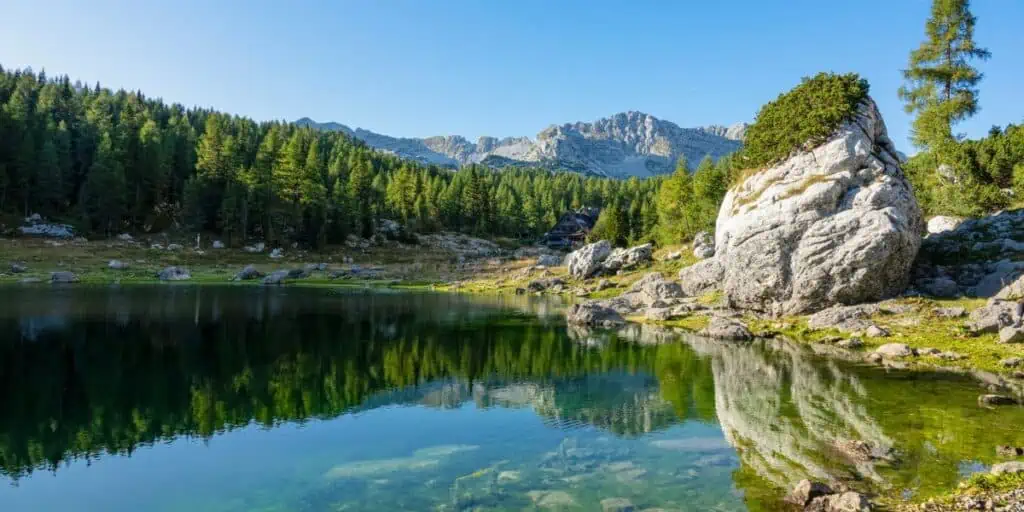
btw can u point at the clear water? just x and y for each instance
(245, 399)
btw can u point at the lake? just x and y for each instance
(208, 398)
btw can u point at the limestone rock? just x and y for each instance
(626, 259)
(844, 318)
(994, 316)
(895, 350)
(174, 274)
(846, 502)
(726, 329)
(277, 253)
(63, 277)
(850, 343)
(1012, 291)
(592, 313)
(248, 273)
(175, 247)
(1011, 334)
(806, 490)
(1011, 362)
(953, 312)
(217, 244)
(674, 255)
(943, 223)
(549, 260)
(277, 277)
(118, 265)
(704, 252)
(1007, 467)
(875, 331)
(701, 277)
(586, 261)
(18, 268)
(654, 287)
(837, 224)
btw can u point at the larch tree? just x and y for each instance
(941, 85)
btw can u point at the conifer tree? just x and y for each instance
(941, 84)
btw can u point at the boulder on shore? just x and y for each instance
(247, 273)
(595, 314)
(174, 274)
(727, 329)
(63, 277)
(836, 224)
(277, 277)
(118, 265)
(586, 261)
(18, 268)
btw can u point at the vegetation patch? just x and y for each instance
(803, 117)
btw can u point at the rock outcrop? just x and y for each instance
(594, 314)
(837, 224)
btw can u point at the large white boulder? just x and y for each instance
(836, 224)
(586, 261)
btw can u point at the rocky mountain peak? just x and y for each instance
(626, 144)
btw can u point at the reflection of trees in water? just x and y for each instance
(126, 368)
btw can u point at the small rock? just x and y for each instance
(996, 400)
(726, 329)
(174, 274)
(617, 505)
(18, 268)
(156, 247)
(1011, 334)
(30, 280)
(63, 277)
(118, 265)
(955, 312)
(928, 351)
(174, 247)
(277, 277)
(894, 350)
(277, 253)
(549, 260)
(593, 313)
(704, 252)
(604, 284)
(674, 255)
(1011, 362)
(875, 331)
(1007, 467)
(552, 499)
(805, 491)
(125, 237)
(659, 314)
(874, 357)
(850, 343)
(247, 273)
(950, 356)
(217, 244)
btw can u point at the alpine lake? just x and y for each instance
(238, 398)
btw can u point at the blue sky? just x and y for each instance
(496, 67)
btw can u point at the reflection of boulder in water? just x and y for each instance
(624, 404)
(786, 412)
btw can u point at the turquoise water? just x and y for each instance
(245, 399)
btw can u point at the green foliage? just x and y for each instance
(688, 204)
(119, 160)
(805, 116)
(941, 84)
(980, 176)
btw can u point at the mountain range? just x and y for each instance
(620, 146)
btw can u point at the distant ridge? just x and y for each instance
(620, 146)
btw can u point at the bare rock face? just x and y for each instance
(837, 224)
(594, 314)
(625, 259)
